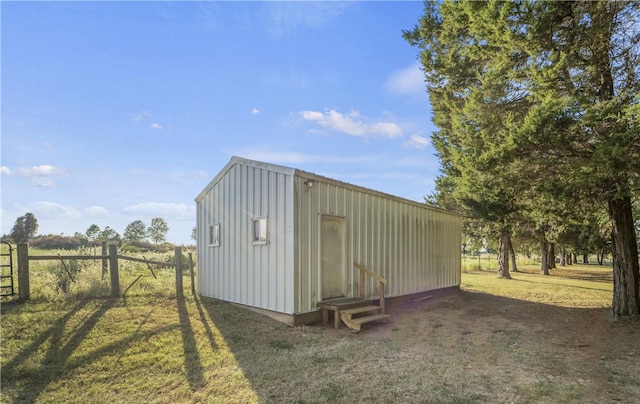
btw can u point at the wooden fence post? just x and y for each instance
(178, 263)
(193, 282)
(24, 292)
(105, 261)
(113, 270)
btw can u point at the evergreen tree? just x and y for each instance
(532, 97)
(476, 99)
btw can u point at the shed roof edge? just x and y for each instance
(247, 162)
(296, 172)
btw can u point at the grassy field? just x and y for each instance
(528, 340)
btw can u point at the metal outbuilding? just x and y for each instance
(281, 240)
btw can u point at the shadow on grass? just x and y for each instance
(205, 323)
(285, 364)
(270, 354)
(565, 285)
(192, 362)
(62, 346)
(55, 361)
(479, 306)
(258, 344)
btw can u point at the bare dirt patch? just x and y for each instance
(476, 345)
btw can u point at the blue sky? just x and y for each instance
(116, 111)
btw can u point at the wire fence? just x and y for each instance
(489, 262)
(54, 274)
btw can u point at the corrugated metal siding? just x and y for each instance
(237, 270)
(414, 247)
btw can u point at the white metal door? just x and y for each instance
(334, 260)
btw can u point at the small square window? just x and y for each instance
(260, 230)
(214, 235)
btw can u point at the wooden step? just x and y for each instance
(337, 305)
(341, 304)
(356, 323)
(368, 319)
(356, 310)
(346, 308)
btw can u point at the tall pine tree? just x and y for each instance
(532, 96)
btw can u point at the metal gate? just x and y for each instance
(6, 270)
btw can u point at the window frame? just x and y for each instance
(214, 235)
(259, 231)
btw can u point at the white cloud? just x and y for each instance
(44, 169)
(96, 212)
(140, 116)
(177, 211)
(352, 124)
(54, 210)
(43, 175)
(312, 115)
(44, 182)
(417, 142)
(255, 111)
(156, 126)
(408, 81)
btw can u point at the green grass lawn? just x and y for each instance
(588, 286)
(150, 347)
(140, 349)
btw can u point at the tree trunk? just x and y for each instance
(563, 257)
(585, 257)
(551, 257)
(624, 250)
(503, 256)
(512, 254)
(544, 255)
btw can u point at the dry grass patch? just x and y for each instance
(528, 340)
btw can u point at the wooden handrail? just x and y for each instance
(370, 273)
(364, 270)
